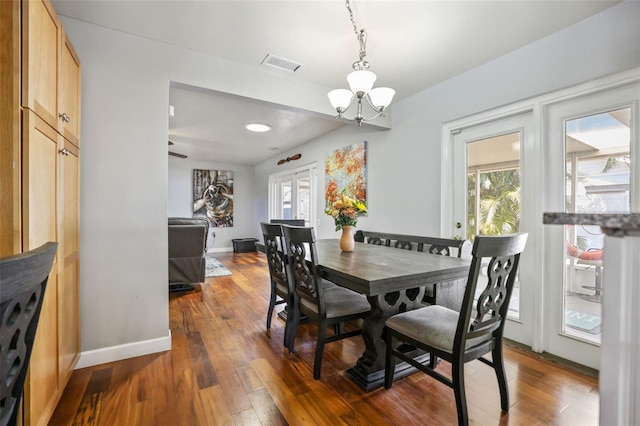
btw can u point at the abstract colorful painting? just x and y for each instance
(213, 196)
(346, 170)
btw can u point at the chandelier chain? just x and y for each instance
(361, 35)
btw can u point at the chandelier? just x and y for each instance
(361, 84)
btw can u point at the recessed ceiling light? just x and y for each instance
(258, 127)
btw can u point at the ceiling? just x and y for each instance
(411, 46)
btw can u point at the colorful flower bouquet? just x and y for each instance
(345, 211)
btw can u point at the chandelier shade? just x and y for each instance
(340, 98)
(381, 97)
(361, 81)
(361, 84)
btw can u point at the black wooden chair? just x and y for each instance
(23, 280)
(324, 304)
(470, 334)
(281, 284)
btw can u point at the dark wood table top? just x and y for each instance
(373, 270)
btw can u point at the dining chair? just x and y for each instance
(325, 304)
(470, 334)
(23, 280)
(281, 284)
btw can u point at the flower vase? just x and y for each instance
(347, 242)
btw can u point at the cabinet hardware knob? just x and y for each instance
(458, 225)
(64, 151)
(65, 117)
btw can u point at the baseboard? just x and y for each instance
(220, 250)
(554, 358)
(120, 352)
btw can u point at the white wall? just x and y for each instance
(404, 162)
(124, 166)
(180, 199)
(124, 178)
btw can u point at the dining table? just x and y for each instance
(393, 280)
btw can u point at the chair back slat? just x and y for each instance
(303, 258)
(375, 240)
(439, 249)
(405, 245)
(23, 281)
(488, 315)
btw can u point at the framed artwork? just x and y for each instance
(213, 196)
(346, 171)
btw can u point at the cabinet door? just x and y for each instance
(39, 178)
(40, 47)
(10, 208)
(68, 314)
(69, 105)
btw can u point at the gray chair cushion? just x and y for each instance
(339, 301)
(432, 325)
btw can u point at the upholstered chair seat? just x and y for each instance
(433, 325)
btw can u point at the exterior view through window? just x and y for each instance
(597, 179)
(493, 192)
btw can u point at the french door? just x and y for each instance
(493, 198)
(292, 194)
(575, 151)
(591, 159)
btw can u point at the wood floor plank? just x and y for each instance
(266, 410)
(203, 369)
(226, 368)
(89, 410)
(73, 394)
(214, 407)
(247, 417)
(284, 399)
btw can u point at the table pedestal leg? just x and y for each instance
(369, 370)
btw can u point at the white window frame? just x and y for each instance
(275, 196)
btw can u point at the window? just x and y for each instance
(292, 194)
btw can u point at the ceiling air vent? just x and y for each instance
(280, 63)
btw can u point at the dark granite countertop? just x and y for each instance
(610, 223)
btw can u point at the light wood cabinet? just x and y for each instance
(40, 159)
(68, 253)
(69, 100)
(10, 201)
(40, 53)
(50, 70)
(40, 74)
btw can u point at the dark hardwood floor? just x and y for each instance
(226, 369)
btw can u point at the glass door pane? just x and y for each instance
(597, 180)
(493, 193)
(304, 199)
(285, 188)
